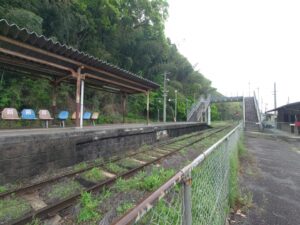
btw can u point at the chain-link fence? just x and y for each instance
(198, 194)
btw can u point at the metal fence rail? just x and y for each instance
(197, 195)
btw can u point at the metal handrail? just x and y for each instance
(257, 111)
(139, 210)
(196, 107)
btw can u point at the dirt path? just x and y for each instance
(271, 173)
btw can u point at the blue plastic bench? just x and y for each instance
(63, 116)
(87, 115)
(28, 114)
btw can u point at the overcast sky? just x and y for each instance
(234, 42)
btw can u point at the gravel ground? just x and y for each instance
(272, 174)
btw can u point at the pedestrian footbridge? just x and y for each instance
(200, 111)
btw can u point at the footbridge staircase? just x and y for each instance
(252, 115)
(200, 111)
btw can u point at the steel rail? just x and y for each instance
(67, 202)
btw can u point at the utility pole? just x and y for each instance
(249, 87)
(275, 104)
(175, 105)
(186, 108)
(275, 97)
(258, 100)
(165, 97)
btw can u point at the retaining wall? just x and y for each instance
(28, 154)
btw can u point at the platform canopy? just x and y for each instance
(29, 52)
(289, 107)
(25, 51)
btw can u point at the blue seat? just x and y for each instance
(62, 116)
(28, 114)
(87, 115)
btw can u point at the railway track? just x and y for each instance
(40, 184)
(155, 153)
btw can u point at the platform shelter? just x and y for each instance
(36, 55)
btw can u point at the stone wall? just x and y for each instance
(24, 156)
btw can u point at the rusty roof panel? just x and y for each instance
(42, 42)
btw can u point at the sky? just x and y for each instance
(237, 42)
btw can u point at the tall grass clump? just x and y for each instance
(234, 189)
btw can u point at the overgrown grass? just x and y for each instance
(88, 210)
(124, 207)
(144, 157)
(99, 161)
(13, 208)
(128, 163)
(80, 166)
(233, 179)
(89, 206)
(63, 189)
(145, 182)
(241, 147)
(93, 175)
(36, 221)
(115, 168)
(3, 189)
(235, 197)
(162, 213)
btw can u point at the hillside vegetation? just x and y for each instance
(127, 33)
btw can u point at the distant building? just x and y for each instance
(287, 115)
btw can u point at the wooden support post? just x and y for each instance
(78, 97)
(123, 106)
(54, 97)
(148, 119)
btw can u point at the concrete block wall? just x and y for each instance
(25, 156)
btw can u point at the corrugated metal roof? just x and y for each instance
(40, 41)
(287, 106)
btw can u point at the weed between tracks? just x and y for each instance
(121, 197)
(115, 168)
(144, 181)
(62, 190)
(128, 163)
(3, 189)
(93, 175)
(144, 157)
(13, 208)
(80, 166)
(124, 207)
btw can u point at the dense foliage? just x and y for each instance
(128, 33)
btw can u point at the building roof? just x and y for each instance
(25, 50)
(287, 106)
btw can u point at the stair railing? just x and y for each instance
(257, 112)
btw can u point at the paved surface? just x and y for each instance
(273, 177)
(18, 132)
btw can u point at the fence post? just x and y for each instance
(187, 199)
